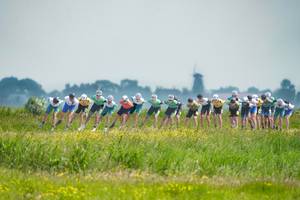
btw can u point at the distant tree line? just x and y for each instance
(15, 92)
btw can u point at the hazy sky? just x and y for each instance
(233, 42)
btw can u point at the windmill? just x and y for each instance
(198, 85)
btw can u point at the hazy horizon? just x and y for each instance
(235, 42)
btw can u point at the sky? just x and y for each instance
(158, 42)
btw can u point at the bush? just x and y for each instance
(35, 105)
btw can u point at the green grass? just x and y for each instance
(146, 164)
(17, 185)
(182, 152)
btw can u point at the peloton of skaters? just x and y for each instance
(257, 112)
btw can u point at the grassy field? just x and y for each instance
(146, 164)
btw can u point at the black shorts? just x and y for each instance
(234, 113)
(96, 108)
(258, 110)
(170, 111)
(245, 112)
(123, 111)
(191, 113)
(131, 111)
(178, 111)
(205, 109)
(81, 108)
(218, 111)
(153, 110)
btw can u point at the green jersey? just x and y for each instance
(172, 103)
(99, 101)
(268, 102)
(234, 98)
(156, 103)
(273, 101)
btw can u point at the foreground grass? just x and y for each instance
(182, 152)
(17, 185)
(146, 164)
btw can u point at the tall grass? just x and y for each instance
(180, 152)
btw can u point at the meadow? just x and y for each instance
(147, 163)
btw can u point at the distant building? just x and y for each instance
(198, 85)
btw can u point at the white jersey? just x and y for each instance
(280, 105)
(253, 103)
(69, 102)
(204, 102)
(110, 105)
(50, 99)
(289, 106)
(138, 102)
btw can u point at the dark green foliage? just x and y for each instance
(253, 90)
(287, 91)
(15, 92)
(227, 89)
(35, 105)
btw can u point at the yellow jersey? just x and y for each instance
(259, 102)
(84, 102)
(217, 103)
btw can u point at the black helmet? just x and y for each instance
(55, 100)
(71, 95)
(199, 96)
(190, 100)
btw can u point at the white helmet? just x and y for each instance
(255, 96)
(268, 94)
(215, 96)
(125, 98)
(110, 97)
(245, 99)
(83, 97)
(138, 95)
(154, 96)
(171, 97)
(99, 93)
(234, 93)
(280, 101)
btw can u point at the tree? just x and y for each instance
(8, 86)
(15, 92)
(253, 90)
(297, 99)
(30, 87)
(164, 92)
(227, 89)
(107, 87)
(286, 91)
(265, 91)
(55, 93)
(128, 84)
(186, 92)
(130, 87)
